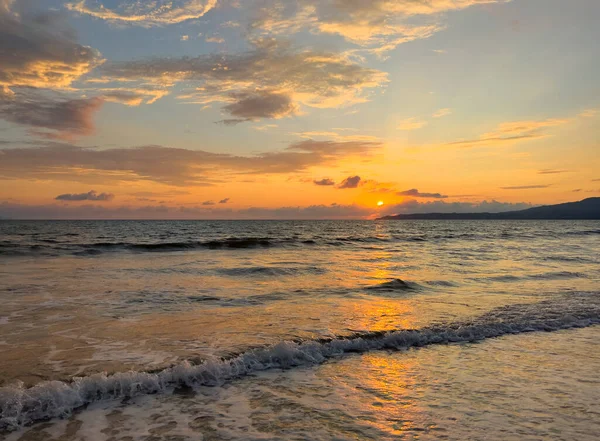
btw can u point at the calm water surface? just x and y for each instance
(177, 330)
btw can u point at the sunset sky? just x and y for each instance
(207, 109)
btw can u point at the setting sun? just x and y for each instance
(380, 203)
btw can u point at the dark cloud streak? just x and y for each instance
(524, 187)
(551, 171)
(89, 196)
(417, 194)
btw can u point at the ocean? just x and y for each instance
(299, 330)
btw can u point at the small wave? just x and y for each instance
(24, 251)
(566, 259)
(270, 271)
(457, 235)
(96, 248)
(161, 246)
(245, 242)
(583, 232)
(504, 278)
(394, 285)
(558, 275)
(203, 299)
(365, 239)
(7, 250)
(21, 406)
(553, 275)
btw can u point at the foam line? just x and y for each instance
(21, 406)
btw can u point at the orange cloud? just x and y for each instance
(154, 13)
(35, 53)
(131, 96)
(377, 25)
(171, 166)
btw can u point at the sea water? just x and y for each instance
(115, 330)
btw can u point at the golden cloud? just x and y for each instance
(172, 166)
(37, 53)
(152, 13)
(377, 25)
(270, 81)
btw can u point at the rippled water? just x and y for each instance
(186, 311)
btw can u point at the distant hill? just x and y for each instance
(585, 209)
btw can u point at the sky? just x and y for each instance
(296, 109)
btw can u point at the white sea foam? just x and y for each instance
(21, 406)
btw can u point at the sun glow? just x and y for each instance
(380, 203)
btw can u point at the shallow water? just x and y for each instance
(83, 298)
(519, 387)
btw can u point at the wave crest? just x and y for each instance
(21, 406)
(394, 285)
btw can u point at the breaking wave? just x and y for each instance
(52, 399)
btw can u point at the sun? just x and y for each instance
(380, 203)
